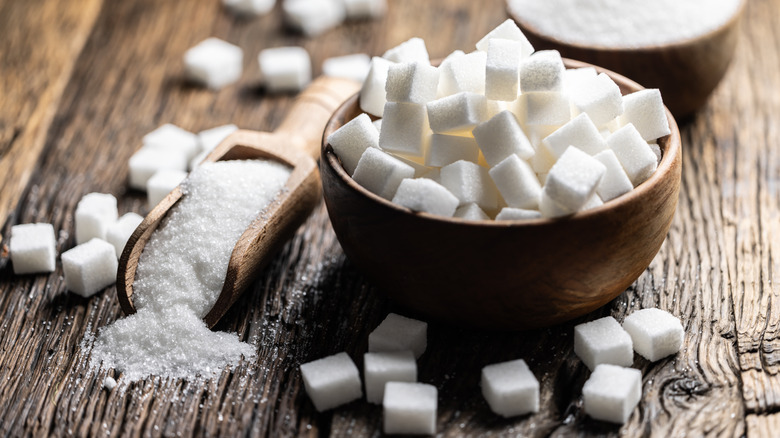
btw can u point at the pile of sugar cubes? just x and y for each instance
(504, 132)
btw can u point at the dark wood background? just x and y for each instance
(81, 81)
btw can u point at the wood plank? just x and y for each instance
(762, 425)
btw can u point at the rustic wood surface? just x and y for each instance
(83, 80)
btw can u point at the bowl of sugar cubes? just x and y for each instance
(505, 188)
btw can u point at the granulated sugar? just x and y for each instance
(181, 272)
(624, 23)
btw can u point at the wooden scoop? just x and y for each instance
(296, 142)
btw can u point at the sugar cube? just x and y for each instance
(285, 69)
(89, 267)
(427, 196)
(502, 136)
(372, 93)
(391, 366)
(507, 30)
(331, 381)
(517, 183)
(603, 341)
(542, 161)
(249, 7)
(515, 214)
(447, 149)
(162, 183)
(645, 110)
(33, 248)
(313, 17)
(95, 212)
(544, 109)
(599, 98)
(209, 139)
(573, 179)
(463, 73)
(409, 408)
(470, 182)
(353, 67)
(471, 211)
(593, 202)
(398, 333)
(214, 63)
(413, 82)
(377, 124)
(542, 71)
(550, 209)
(457, 114)
(120, 231)
(404, 129)
(615, 181)
(634, 154)
(655, 333)
(357, 9)
(656, 150)
(380, 173)
(612, 392)
(502, 69)
(412, 50)
(351, 140)
(580, 132)
(172, 137)
(574, 77)
(510, 388)
(419, 169)
(146, 161)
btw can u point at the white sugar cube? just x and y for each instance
(33, 248)
(593, 202)
(89, 267)
(214, 63)
(313, 17)
(507, 30)
(517, 183)
(357, 9)
(502, 136)
(95, 212)
(380, 173)
(463, 73)
(599, 98)
(399, 333)
(515, 214)
(249, 7)
(502, 69)
(404, 129)
(542, 72)
(331, 381)
(172, 137)
(419, 169)
(573, 179)
(457, 114)
(544, 109)
(542, 161)
(391, 366)
(656, 150)
(162, 183)
(447, 149)
(412, 50)
(285, 69)
(510, 388)
(574, 77)
(470, 182)
(550, 209)
(611, 393)
(634, 154)
(425, 195)
(353, 67)
(645, 110)
(409, 408)
(148, 160)
(372, 94)
(579, 132)
(377, 124)
(209, 139)
(351, 140)
(471, 211)
(655, 333)
(412, 82)
(119, 233)
(615, 181)
(603, 341)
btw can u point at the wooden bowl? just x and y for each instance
(686, 72)
(502, 275)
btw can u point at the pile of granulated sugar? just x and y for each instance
(181, 272)
(624, 23)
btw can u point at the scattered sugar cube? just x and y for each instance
(603, 341)
(425, 195)
(409, 408)
(573, 179)
(542, 71)
(33, 248)
(372, 93)
(413, 82)
(209, 139)
(351, 140)
(391, 366)
(470, 182)
(162, 183)
(95, 212)
(357, 9)
(331, 381)
(579, 132)
(285, 68)
(514, 214)
(398, 333)
(574, 77)
(656, 150)
(119, 233)
(599, 98)
(507, 30)
(109, 383)
(615, 181)
(472, 212)
(544, 109)
(148, 160)
(353, 67)
(380, 173)
(612, 392)
(249, 7)
(172, 137)
(550, 209)
(645, 110)
(214, 63)
(655, 333)
(404, 129)
(89, 267)
(634, 154)
(447, 149)
(517, 183)
(510, 388)
(458, 113)
(412, 50)
(502, 69)
(463, 73)
(502, 136)
(313, 17)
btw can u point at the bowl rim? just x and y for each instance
(671, 154)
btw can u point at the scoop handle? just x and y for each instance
(306, 120)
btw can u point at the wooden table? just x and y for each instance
(82, 80)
